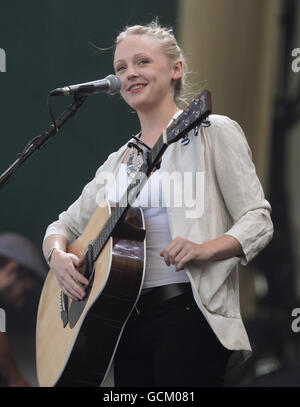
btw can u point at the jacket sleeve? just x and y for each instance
(241, 189)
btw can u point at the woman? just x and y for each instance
(187, 321)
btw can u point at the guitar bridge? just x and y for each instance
(63, 306)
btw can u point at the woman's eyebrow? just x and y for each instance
(133, 56)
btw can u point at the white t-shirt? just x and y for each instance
(158, 235)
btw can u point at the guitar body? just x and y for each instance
(80, 354)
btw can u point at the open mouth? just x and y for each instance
(137, 87)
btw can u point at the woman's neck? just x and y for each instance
(154, 122)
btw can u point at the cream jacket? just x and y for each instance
(229, 200)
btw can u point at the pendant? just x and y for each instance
(134, 163)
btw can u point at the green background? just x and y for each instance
(48, 44)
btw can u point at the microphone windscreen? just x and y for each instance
(115, 84)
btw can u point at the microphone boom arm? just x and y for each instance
(41, 141)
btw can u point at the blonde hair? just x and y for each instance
(171, 49)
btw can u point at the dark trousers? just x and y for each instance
(170, 345)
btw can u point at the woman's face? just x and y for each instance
(147, 74)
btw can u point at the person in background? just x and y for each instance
(22, 272)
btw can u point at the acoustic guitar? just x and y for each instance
(76, 340)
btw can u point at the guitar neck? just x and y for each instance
(128, 198)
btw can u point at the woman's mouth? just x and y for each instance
(137, 87)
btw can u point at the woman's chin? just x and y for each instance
(139, 105)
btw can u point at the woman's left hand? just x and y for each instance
(180, 251)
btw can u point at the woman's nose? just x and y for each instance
(131, 72)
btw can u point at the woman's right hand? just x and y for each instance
(69, 278)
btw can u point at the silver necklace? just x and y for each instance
(135, 161)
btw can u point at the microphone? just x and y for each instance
(111, 85)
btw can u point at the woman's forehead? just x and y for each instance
(136, 44)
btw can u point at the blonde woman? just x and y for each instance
(190, 328)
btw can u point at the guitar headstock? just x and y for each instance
(194, 114)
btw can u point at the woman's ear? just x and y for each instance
(177, 70)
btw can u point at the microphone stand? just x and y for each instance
(40, 141)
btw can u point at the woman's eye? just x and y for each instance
(143, 61)
(120, 68)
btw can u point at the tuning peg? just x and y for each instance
(185, 140)
(206, 123)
